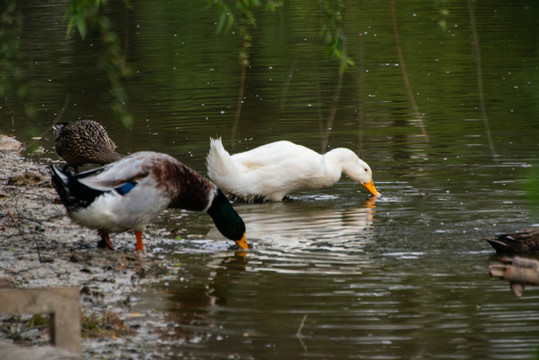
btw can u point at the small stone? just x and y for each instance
(9, 144)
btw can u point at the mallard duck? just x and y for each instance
(127, 194)
(271, 171)
(84, 142)
(521, 242)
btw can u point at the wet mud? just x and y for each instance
(41, 247)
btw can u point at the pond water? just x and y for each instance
(332, 273)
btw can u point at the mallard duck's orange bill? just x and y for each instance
(242, 243)
(370, 188)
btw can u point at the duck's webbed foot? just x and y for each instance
(140, 246)
(105, 243)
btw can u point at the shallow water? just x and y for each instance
(331, 273)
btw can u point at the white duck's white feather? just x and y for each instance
(273, 170)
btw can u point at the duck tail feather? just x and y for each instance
(219, 163)
(72, 192)
(498, 245)
(60, 181)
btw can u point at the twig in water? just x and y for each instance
(332, 112)
(62, 110)
(477, 55)
(58, 117)
(360, 91)
(404, 72)
(240, 97)
(298, 333)
(289, 79)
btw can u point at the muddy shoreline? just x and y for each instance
(42, 248)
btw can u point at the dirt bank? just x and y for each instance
(41, 247)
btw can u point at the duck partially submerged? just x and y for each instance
(126, 195)
(84, 142)
(271, 171)
(521, 242)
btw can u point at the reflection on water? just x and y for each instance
(309, 223)
(312, 236)
(366, 279)
(402, 277)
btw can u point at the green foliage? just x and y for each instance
(12, 79)
(242, 15)
(226, 17)
(333, 33)
(444, 13)
(106, 325)
(88, 15)
(37, 320)
(245, 8)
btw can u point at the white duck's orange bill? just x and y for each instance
(370, 188)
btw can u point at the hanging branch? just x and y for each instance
(477, 55)
(246, 23)
(240, 100)
(84, 14)
(291, 71)
(360, 92)
(332, 111)
(335, 38)
(320, 110)
(404, 72)
(13, 79)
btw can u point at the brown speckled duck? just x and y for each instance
(84, 142)
(521, 242)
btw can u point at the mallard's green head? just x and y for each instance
(227, 220)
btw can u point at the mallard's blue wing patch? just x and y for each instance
(125, 188)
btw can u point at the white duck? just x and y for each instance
(271, 171)
(127, 194)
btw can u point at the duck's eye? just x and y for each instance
(366, 170)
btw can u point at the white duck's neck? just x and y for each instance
(340, 156)
(334, 164)
(345, 160)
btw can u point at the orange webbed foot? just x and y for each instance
(140, 245)
(105, 242)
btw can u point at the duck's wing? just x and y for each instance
(274, 154)
(129, 170)
(527, 234)
(524, 241)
